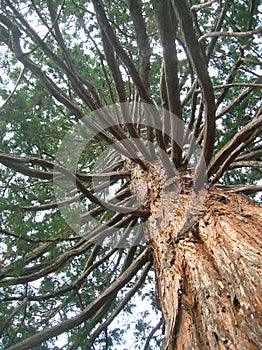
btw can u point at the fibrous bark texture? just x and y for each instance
(208, 282)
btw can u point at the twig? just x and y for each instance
(15, 87)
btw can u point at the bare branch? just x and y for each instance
(88, 269)
(103, 115)
(114, 66)
(254, 85)
(38, 271)
(229, 80)
(15, 235)
(201, 6)
(219, 23)
(248, 60)
(15, 162)
(57, 93)
(230, 34)
(58, 35)
(14, 89)
(235, 152)
(91, 98)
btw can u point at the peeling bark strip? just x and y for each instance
(207, 283)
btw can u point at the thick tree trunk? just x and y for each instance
(208, 284)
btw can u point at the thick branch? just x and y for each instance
(13, 314)
(167, 24)
(150, 335)
(200, 65)
(142, 39)
(15, 162)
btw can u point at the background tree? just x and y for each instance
(62, 60)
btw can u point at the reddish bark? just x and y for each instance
(208, 283)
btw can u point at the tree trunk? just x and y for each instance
(208, 282)
(208, 276)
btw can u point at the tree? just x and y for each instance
(130, 143)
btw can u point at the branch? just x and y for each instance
(246, 189)
(235, 152)
(230, 34)
(120, 306)
(113, 66)
(254, 85)
(27, 239)
(48, 83)
(14, 89)
(252, 130)
(78, 282)
(101, 16)
(200, 65)
(246, 164)
(167, 24)
(15, 162)
(142, 39)
(77, 81)
(240, 97)
(219, 23)
(201, 6)
(230, 79)
(35, 272)
(94, 212)
(13, 314)
(58, 36)
(38, 251)
(254, 154)
(88, 312)
(150, 335)
(120, 87)
(88, 193)
(248, 60)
